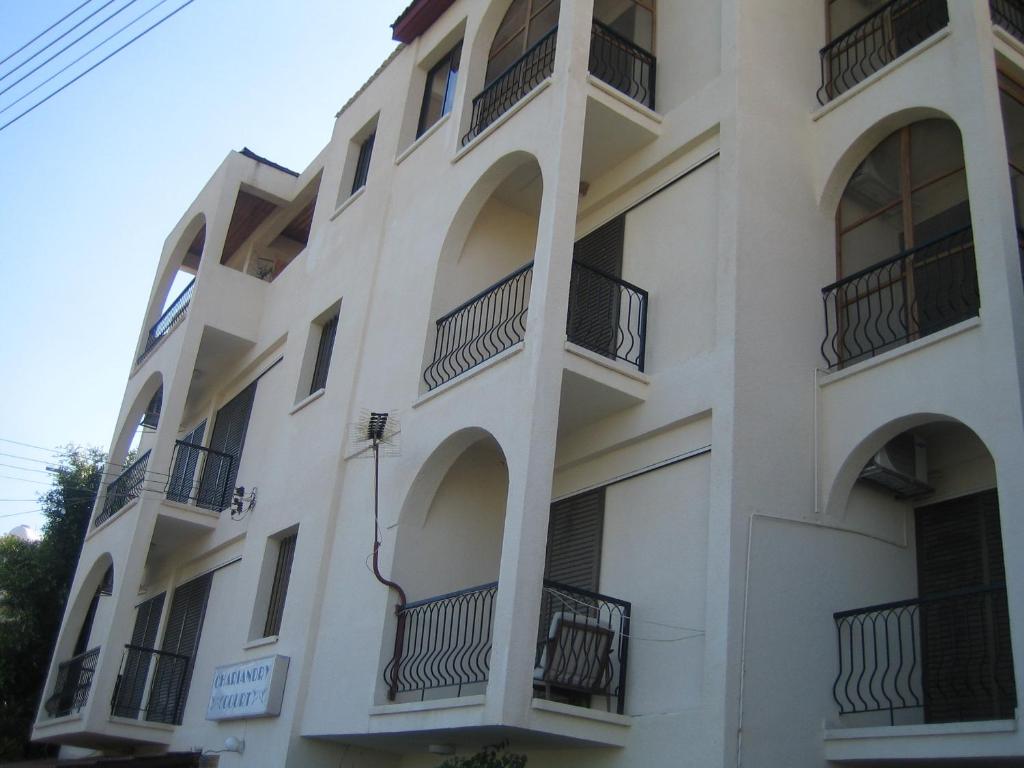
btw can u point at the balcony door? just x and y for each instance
(131, 683)
(594, 293)
(967, 663)
(221, 468)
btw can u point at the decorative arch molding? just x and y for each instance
(126, 429)
(80, 600)
(870, 443)
(433, 471)
(868, 136)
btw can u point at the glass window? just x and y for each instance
(323, 354)
(279, 586)
(363, 163)
(525, 22)
(439, 92)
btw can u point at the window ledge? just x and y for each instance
(948, 741)
(831, 377)
(347, 202)
(307, 400)
(426, 135)
(140, 723)
(885, 71)
(260, 642)
(502, 119)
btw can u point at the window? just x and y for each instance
(279, 585)
(323, 354)
(632, 19)
(593, 319)
(525, 22)
(363, 163)
(130, 692)
(904, 245)
(439, 92)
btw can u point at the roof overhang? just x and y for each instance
(417, 18)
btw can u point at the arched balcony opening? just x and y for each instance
(482, 287)
(89, 615)
(932, 642)
(128, 463)
(175, 289)
(447, 555)
(904, 246)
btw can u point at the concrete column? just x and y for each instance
(997, 256)
(532, 451)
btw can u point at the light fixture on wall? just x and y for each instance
(232, 744)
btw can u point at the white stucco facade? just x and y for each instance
(694, 400)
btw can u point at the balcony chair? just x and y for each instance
(575, 658)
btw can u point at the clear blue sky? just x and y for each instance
(93, 181)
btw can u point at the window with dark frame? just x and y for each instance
(279, 587)
(439, 91)
(323, 354)
(363, 163)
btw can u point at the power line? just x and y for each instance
(29, 445)
(55, 41)
(58, 21)
(74, 80)
(16, 514)
(65, 68)
(73, 43)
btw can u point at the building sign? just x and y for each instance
(248, 689)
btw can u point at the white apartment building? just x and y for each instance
(699, 332)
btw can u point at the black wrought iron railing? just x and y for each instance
(912, 294)
(478, 329)
(443, 642)
(125, 487)
(583, 646)
(1009, 14)
(501, 94)
(200, 476)
(879, 39)
(622, 64)
(71, 688)
(607, 315)
(150, 684)
(947, 655)
(167, 320)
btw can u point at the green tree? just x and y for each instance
(34, 582)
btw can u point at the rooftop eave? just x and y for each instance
(417, 18)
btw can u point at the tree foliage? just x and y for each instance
(34, 582)
(493, 756)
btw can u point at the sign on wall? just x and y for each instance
(248, 689)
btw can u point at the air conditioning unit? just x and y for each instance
(901, 467)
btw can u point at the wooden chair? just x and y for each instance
(576, 657)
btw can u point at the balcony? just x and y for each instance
(151, 685)
(937, 659)
(213, 489)
(606, 315)
(1009, 14)
(906, 297)
(501, 94)
(74, 679)
(876, 41)
(168, 320)
(123, 489)
(443, 646)
(622, 64)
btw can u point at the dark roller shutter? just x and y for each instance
(594, 298)
(602, 248)
(131, 683)
(186, 461)
(181, 638)
(574, 541)
(967, 661)
(221, 471)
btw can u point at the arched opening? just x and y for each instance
(175, 289)
(447, 556)
(88, 619)
(482, 286)
(934, 645)
(129, 457)
(904, 245)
